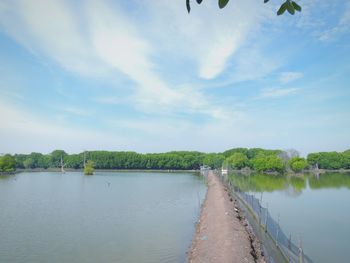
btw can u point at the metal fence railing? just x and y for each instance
(267, 224)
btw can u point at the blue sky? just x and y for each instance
(146, 76)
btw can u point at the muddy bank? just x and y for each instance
(222, 234)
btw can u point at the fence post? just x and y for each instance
(290, 247)
(267, 212)
(301, 253)
(278, 228)
(260, 208)
(259, 213)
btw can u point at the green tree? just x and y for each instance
(55, 158)
(89, 168)
(28, 163)
(20, 158)
(346, 159)
(327, 160)
(213, 160)
(268, 163)
(7, 163)
(313, 159)
(237, 161)
(254, 152)
(44, 161)
(297, 164)
(230, 152)
(74, 161)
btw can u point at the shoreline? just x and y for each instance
(36, 170)
(310, 171)
(222, 234)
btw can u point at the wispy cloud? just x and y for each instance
(209, 36)
(75, 111)
(110, 40)
(110, 100)
(286, 77)
(277, 92)
(23, 131)
(50, 29)
(340, 28)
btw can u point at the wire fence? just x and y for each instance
(268, 225)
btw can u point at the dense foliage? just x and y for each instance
(258, 159)
(237, 160)
(214, 160)
(330, 160)
(120, 160)
(268, 163)
(297, 164)
(7, 164)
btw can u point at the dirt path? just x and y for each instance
(221, 237)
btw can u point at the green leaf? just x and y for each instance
(296, 6)
(188, 6)
(282, 9)
(290, 7)
(223, 3)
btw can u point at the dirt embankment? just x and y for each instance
(222, 234)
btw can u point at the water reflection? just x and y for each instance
(330, 180)
(8, 177)
(292, 185)
(315, 207)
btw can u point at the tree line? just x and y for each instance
(261, 160)
(181, 160)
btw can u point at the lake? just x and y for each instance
(317, 208)
(107, 217)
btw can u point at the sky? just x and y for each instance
(146, 76)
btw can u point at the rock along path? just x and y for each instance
(220, 235)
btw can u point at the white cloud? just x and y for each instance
(22, 131)
(97, 40)
(208, 36)
(214, 61)
(119, 44)
(75, 111)
(277, 92)
(286, 77)
(253, 64)
(110, 100)
(342, 27)
(50, 28)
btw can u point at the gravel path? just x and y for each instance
(221, 236)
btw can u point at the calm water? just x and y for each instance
(107, 217)
(317, 208)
